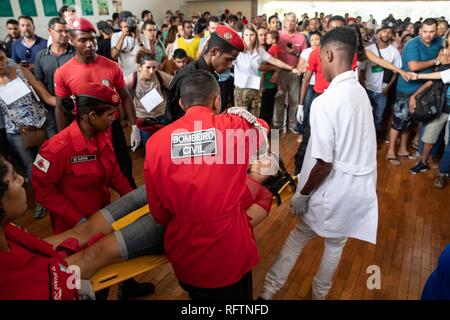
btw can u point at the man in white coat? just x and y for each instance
(336, 197)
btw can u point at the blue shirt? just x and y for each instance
(20, 52)
(416, 50)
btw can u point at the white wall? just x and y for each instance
(218, 7)
(158, 8)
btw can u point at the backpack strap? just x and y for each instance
(134, 80)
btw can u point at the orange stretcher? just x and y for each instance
(118, 272)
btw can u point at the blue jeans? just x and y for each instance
(144, 138)
(27, 155)
(378, 102)
(445, 161)
(306, 108)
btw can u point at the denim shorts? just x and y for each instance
(402, 116)
(143, 236)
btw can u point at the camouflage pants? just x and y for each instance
(250, 99)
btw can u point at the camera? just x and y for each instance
(132, 26)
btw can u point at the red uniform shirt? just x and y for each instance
(274, 50)
(72, 174)
(32, 270)
(69, 76)
(314, 65)
(208, 239)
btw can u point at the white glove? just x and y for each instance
(300, 113)
(135, 138)
(300, 203)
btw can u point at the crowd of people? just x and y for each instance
(337, 82)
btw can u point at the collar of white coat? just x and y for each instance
(342, 77)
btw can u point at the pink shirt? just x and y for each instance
(298, 41)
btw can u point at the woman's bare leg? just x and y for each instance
(103, 252)
(84, 231)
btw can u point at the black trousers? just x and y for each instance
(122, 153)
(226, 92)
(300, 155)
(267, 104)
(241, 291)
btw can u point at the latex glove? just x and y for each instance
(86, 291)
(135, 138)
(300, 203)
(300, 113)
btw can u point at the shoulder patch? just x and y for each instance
(41, 163)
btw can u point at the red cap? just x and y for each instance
(230, 36)
(81, 24)
(100, 92)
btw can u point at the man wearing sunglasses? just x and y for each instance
(25, 49)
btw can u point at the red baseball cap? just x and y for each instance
(81, 24)
(231, 36)
(100, 92)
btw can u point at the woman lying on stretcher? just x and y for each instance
(31, 268)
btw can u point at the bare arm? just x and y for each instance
(429, 76)
(381, 62)
(280, 64)
(319, 172)
(412, 98)
(305, 85)
(116, 50)
(61, 119)
(415, 66)
(128, 105)
(39, 87)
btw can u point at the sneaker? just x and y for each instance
(39, 212)
(440, 181)
(419, 167)
(130, 289)
(266, 294)
(279, 93)
(315, 296)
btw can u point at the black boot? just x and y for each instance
(132, 289)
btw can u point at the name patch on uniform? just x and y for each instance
(85, 158)
(193, 144)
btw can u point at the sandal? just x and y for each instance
(393, 160)
(414, 145)
(408, 155)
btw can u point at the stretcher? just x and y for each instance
(118, 272)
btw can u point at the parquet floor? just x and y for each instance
(414, 227)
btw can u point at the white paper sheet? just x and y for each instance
(242, 80)
(13, 91)
(151, 100)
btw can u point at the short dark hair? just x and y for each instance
(315, 33)
(213, 19)
(272, 17)
(179, 54)
(64, 9)
(115, 15)
(144, 13)
(198, 88)
(12, 21)
(26, 18)
(84, 105)
(275, 35)
(233, 18)
(345, 37)
(430, 22)
(337, 18)
(56, 20)
(148, 22)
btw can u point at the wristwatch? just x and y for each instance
(437, 62)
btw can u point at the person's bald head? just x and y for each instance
(338, 47)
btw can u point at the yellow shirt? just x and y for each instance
(190, 46)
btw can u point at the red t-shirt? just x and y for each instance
(315, 66)
(32, 270)
(208, 239)
(69, 76)
(274, 50)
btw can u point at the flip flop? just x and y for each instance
(408, 155)
(393, 160)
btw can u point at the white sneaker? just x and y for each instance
(279, 93)
(315, 296)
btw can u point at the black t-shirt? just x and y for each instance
(104, 48)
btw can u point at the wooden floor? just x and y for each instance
(414, 227)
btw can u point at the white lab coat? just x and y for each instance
(343, 133)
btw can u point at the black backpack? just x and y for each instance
(276, 184)
(430, 102)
